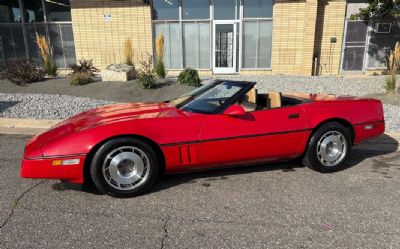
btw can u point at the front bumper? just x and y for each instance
(43, 168)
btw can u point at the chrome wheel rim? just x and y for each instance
(331, 148)
(126, 168)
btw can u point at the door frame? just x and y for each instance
(223, 70)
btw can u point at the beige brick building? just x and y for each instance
(246, 37)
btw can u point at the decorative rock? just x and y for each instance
(118, 72)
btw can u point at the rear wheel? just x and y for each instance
(124, 167)
(329, 148)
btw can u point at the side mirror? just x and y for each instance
(235, 110)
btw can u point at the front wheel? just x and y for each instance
(329, 148)
(124, 167)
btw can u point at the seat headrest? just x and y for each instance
(251, 96)
(275, 99)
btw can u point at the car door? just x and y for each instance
(265, 135)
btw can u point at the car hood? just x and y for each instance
(120, 112)
(96, 117)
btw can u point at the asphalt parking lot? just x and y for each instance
(280, 205)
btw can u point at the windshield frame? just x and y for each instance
(245, 87)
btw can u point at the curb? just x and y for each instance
(25, 126)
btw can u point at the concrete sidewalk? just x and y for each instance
(25, 126)
(34, 126)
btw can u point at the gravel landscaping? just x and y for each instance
(358, 86)
(45, 106)
(43, 100)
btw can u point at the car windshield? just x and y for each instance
(209, 97)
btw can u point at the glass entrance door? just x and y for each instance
(224, 47)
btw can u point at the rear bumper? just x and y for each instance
(367, 131)
(43, 168)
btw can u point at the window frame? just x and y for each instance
(239, 20)
(182, 48)
(256, 19)
(29, 53)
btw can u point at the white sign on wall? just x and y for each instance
(107, 18)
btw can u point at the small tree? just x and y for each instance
(380, 9)
(159, 66)
(146, 75)
(393, 67)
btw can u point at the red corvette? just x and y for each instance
(124, 148)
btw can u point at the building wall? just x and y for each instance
(333, 24)
(295, 41)
(288, 37)
(102, 40)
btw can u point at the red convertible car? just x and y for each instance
(123, 148)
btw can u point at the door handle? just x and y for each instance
(294, 115)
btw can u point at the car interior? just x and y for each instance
(254, 101)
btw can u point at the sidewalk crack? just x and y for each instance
(16, 203)
(166, 234)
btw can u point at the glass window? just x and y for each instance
(165, 9)
(257, 8)
(381, 44)
(257, 44)
(33, 11)
(58, 10)
(31, 35)
(264, 44)
(249, 44)
(226, 9)
(172, 44)
(9, 11)
(196, 37)
(195, 9)
(12, 44)
(68, 44)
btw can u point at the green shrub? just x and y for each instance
(81, 78)
(51, 69)
(82, 72)
(189, 77)
(83, 66)
(22, 71)
(390, 84)
(146, 75)
(160, 69)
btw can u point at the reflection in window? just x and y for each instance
(172, 40)
(12, 44)
(58, 10)
(196, 37)
(195, 9)
(257, 41)
(9, 12)
(257, 8)
(380, 45)
(226, 9)
(33, 11)
(165, 9)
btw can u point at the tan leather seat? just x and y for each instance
(251, 96)
(250, 103)
(274, 99)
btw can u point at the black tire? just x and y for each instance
(313, 157)
(102, 160)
